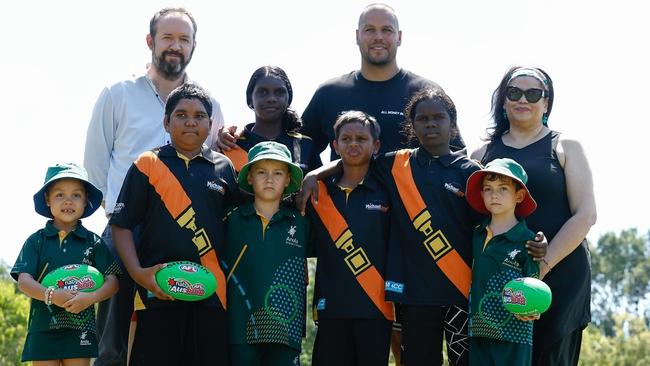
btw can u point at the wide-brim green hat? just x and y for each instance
(68, 170)
(270, 150)
(508, 168)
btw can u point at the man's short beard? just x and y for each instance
(382, 61)
(168, 70)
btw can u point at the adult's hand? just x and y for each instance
(537, 248)
(227, 138)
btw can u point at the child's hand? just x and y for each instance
(537, 248)
(227, 138)
(146, 277)
(309, 189)
(527, 318)
(79, 302)
(61, 296)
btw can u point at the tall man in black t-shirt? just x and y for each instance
(380, 88)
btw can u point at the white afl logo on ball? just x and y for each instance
(188, 268)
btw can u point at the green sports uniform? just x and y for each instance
(497, 260)
(54, 333)
(265, 266)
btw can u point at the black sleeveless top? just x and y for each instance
(570, 280)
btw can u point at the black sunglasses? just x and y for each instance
(532, 95)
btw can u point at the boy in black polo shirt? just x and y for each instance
(351, 226)
(497, 337)
(176, 195)
(265, 258)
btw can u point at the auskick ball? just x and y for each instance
(79, 277)
(526, 296)
(187, 281)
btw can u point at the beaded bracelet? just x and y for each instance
(48, 295)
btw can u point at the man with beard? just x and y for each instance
(380, 88)
(126, 121)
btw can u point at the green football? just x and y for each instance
(79, 277)
(186, 281)
(526, 296)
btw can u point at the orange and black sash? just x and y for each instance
(356, 259)
(179, 205)
(238, 156)
(436, 244)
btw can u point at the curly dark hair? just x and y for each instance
(500, 123)
(436, 94)
(291, 121)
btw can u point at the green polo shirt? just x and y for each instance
(44, 252)
(265, 270)
(504, 257)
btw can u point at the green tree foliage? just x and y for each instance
(14, 310)
(621, 276)
(629, 346)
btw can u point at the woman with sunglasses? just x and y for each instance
(560, 181)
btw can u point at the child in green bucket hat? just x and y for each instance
(62, 321)
(265, 262)
(270, 150)
(499, 250)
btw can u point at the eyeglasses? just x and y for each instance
(532, 95)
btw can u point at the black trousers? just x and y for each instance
(183, 334)
(423, 329)
(352, 342)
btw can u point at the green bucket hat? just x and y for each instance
(508, 168)
(270, 150)
(68, 170)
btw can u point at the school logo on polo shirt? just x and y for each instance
(510, 260)
(291, 239)
(87, 253)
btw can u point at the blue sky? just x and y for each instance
(57, 56)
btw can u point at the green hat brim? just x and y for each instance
(294, 171)
(93, 194)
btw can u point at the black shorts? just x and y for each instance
(423, 329)
(184, 334)
(352, 342)
(59, 344)
(485, 351)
